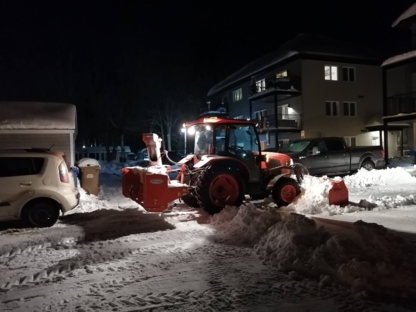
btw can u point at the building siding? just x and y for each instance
(366, 91)
(60, 142)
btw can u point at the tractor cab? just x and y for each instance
(219, 137)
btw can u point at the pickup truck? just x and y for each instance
(329, 156)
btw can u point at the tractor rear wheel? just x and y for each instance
(284, 191)
(219, 187)
(190, 199)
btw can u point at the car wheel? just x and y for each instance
(41, 213)
(368, 165)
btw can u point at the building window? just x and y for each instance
(351, 141)
(350, 109)
(331, 72)
(331, 108)
(237, 95)
(282, 74)
(261, 85)
(348, 73)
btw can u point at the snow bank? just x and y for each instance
(389, 176)
(111, 168)
(372, 261)
(246, 224)
(314, 198)
(369, 260)
(386, 202)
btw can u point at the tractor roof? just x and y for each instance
(216, 120)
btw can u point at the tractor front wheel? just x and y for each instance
(217, 188)
(284, 191)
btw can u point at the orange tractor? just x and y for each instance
(226, 165)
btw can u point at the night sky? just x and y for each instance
(69, 51)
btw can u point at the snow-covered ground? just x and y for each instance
(110, 255)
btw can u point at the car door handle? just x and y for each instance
(25, 183)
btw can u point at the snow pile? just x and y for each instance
(246, 224)
(314, 198)
(369, 260)
(389, 176)
(372, 261)
(111, 168)
(386, 202)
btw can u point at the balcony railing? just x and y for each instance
(284, 121)
(287, 83)
(401, 104)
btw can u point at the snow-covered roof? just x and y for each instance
(377, 121)
(399, 58)
(410, 12)
(37, 116)
(304, 45)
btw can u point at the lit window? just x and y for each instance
(282, 74)
(237, 95)
(348, 73)
(261, 85)
(331, 72)
(350, 109)
(331, 108)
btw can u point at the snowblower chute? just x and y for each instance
(150, 186)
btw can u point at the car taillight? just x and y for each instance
(382, 153)
(63, 172)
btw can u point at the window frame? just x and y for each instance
(237, 95)
(282, 74)
(348, 68)
(349, 108)
(331, 73)
(261, 85)
(332, 108)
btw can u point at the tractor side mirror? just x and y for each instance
(260, 158)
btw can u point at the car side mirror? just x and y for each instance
(260, 158)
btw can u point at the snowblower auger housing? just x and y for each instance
(150, 186)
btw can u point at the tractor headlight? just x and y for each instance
(291, 162)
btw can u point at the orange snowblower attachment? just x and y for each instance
(151, 187)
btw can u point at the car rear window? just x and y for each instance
(20, 166)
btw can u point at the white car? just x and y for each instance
(35, 185)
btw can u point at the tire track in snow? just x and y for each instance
(97, 256)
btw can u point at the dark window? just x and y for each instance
(20, 166)
(346, 109)
(334, 145)
(328, 109)
(349, 108)
(348, 74)
(334, 109)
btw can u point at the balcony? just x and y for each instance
(284, 121)
(401, 104)
(283, 85)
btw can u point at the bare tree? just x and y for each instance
(165, 118)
